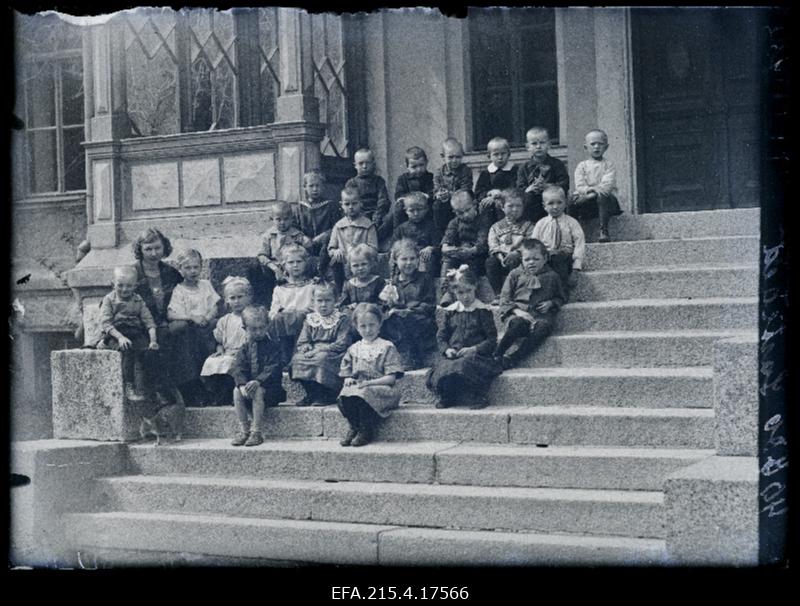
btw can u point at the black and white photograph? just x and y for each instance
(490, 288)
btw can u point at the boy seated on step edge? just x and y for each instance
(257, 372)
(595, 185)
(531, 297)
(562, 235)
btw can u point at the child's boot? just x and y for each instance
(241, 438)
(366, 428)
(351, 434)
(131, 394)
(254, 439)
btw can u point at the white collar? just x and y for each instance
(358, 284)
(459, 306)
(507, 168)
(308, 204)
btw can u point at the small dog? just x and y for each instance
(168, 421)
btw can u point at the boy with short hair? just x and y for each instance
(562, 235)
(281, 232)
(499, 175)
(354, 228)
(316, 216)
(256, 371)
(421, 230)
(595, 185)
(542, 169)
(416, 178)
(128, 326)
(467, 235)
(505, 238)
(372, 192)
(451, 177)
(531, 297)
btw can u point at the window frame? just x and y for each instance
(516, 86)
(54, 60)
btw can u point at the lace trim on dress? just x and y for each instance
(315, 320)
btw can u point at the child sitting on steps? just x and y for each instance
(595, 185)
(320, 348)
(410, 299)
(370, 369)
(230, 336)
(257, 372)
(291, 301)
(467, 338)
(531, 297)
(128, 326)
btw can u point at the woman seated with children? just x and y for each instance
(345, 332)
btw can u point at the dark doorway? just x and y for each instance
(697, 84)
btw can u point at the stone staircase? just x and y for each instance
(566, 466)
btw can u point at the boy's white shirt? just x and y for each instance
(599, 175)
(292, 296)
(572, 236)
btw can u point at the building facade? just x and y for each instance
(195, 121)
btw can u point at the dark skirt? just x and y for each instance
(476, 371)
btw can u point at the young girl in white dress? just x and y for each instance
(292, 300)
(230, 336)
(192, 313)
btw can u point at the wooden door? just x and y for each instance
(697, 88)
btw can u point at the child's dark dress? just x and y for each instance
(170, 360)
(460, 327)
(412, 325)
(329, 338)
(353, 292)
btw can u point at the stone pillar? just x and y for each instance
(105, 85)
(613, 65)
(298, 146)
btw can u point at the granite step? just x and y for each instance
(552, 425)
(717, 313)
(676, 252)
(473, 464)
(689, 387)
(451, 462)
(666, 283)
(210, 537)
(683, 387)
(694, 224)
(627, 349)
(600, 512)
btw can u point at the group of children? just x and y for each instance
(315, 302)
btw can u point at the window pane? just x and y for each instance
(213, 59)
(47, 34)
(538, 66)
(495, 119)
(151, 71)
(40, 89)
(540, 107)
(269, 57)
(72, 92)
(43, 168)
(74, 159)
